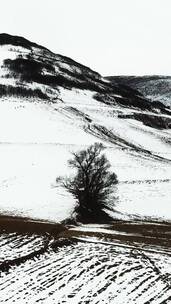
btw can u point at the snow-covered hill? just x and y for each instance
(156, 88)
(50, 106)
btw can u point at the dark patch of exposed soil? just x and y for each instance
(11, 224)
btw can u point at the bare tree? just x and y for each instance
(92, 183)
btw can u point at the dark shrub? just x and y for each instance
(92, 184)
(32, 70)
(21, 91)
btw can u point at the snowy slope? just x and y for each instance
(37, 135)
(36, 141)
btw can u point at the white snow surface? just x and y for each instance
(36, 141)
